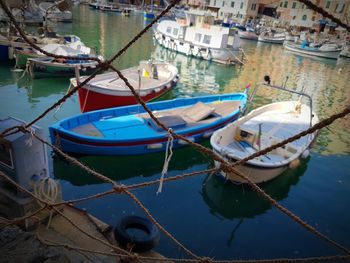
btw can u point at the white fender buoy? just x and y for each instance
(305, 154)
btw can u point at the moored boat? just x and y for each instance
(260, 129)
(150, 79)
(51, 67)
(248, 34)
(198, 36)
(272, 37)
(72, 49)
(129, 130)
(331, 51)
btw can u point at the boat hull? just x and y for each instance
(90, 100)
(43, 70)
(271, 40)
(313, 53)
(256, 173)
(248, 35)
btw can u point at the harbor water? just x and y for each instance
(209, 216)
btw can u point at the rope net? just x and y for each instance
(116, 188)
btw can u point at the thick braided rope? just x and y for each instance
(320, 10)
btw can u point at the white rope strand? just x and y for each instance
(168, 155)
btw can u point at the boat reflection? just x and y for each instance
(124, 167)
(232, 201)
(197, 77)
(39, 88)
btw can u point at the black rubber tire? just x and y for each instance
(138, 244)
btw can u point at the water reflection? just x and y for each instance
(238, 201)
(121, 168)
(197, 76)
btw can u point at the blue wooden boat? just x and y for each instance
(129, 130)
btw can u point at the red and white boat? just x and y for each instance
(150, 80)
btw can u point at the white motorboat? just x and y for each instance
(331, 51)
(260, 129)
(272, 37)
(51, 12)
(196, 35)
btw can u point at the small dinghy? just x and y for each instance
(150, 79)
(331, 51)
(129, 130)
(51, 67)
(272, 37)
(260, 129)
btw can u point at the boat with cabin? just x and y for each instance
(129, 130)
(327, 50)
(150, 79)
(196, 35)
(264, 127)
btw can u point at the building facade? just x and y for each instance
(294, 13)
(236, 10)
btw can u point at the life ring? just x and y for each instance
(139, 244)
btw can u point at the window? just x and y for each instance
(281, 4)
(214, 2)
(253, 7)
(198, 37)
(328, 4)
(285, 4)
(304, 17)
(221, 13)
(175, 31)
(223, 3)
(6, 155)
(241, 5)
(168, 30)
(302, 6)
(294, 17)
(339, 8)
(232, 4)
(206, 39)
(294, 5)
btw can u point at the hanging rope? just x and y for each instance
(168, 155)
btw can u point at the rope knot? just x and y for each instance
(104, 65)
(205, 260)
(119, 189)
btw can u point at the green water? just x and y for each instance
(209, 216)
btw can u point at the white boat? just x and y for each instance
(345, 51)
(260, 129)
(49, 12)
(8, 44)
(197, 36)
(249, 34)
(72, 49)
(331, 51)
(271, 37)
